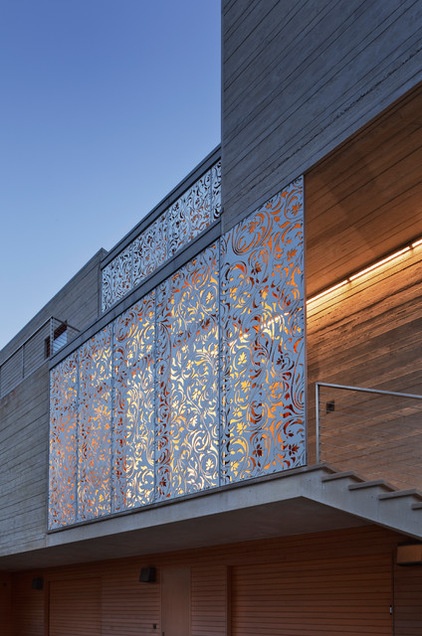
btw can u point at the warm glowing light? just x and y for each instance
(380, 263)
(367, 270)
(329, 290)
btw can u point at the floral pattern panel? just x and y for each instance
(176, 227)
(117, 278)
(133, 412)
(187, 378)
(196, 210)
(262, 318)
(149, 250)
(94, 447)
(199, 384)
(63, 443)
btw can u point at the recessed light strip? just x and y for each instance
(368, 269)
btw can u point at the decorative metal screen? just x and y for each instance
(187, 378)
(191, 214)
(63, 442)
(133, 411)
(262, 338)
(199, 384)
(94, 431)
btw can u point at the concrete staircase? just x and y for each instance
(372, 500)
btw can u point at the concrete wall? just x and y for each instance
(24, 422)
(300, 77)
(77, 303)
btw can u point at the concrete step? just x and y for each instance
(398, 494)
(375, 483)
(349, 475)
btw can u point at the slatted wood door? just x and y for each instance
(75, 607)
(408, 600)
(351, 595)
(175, 601)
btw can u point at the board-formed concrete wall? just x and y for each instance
(300, 77)
(24, 421)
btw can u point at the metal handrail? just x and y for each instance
(348, 388)
(48, 326)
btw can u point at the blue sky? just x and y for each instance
(105, 106)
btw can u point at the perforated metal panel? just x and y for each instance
(199, 384)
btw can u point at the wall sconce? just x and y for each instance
(148, 575)
(37, 583)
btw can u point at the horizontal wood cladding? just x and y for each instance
(299, 78)
(333, 595)
(369, 334)
(329, 582)
(75, 607)
(24, 462)
(29, 607)
(6, 604)
(408, 595)
(363, 201)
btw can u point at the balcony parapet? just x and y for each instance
(193, 208)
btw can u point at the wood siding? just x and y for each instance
(301, 77)
(347, 594)
(369, 334)
(309, 584)
(75, 607)
(363, 202)
(408, 595)
(5, 604)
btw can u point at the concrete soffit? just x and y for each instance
(302, 501)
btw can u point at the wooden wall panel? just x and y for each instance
(130, 608)
(363, 201)
(348, 594)
(408, 595)
(6, 604)
(75, 607)
(324, 583)
(28, 606)
(300, 78)
(369, 334)
(209, 599)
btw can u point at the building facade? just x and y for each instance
(215, 428)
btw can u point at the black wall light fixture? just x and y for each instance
(148, 575)
(37, 583)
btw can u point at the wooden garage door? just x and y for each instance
(312, 598)
(75, 607)
(408, 600)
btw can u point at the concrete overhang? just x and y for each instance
(289, 504)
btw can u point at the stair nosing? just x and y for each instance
(343, 475)
(375, 483)
(401, 493)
